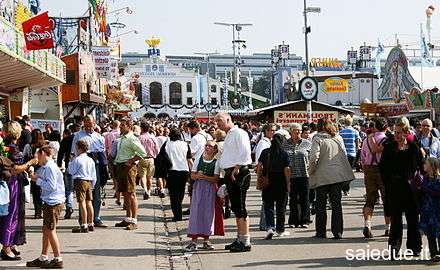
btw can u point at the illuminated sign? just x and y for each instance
(326, 62)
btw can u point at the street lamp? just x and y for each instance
(126, 33)
(307, 30)
(236, 27)
(128, 10)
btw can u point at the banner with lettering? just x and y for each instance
(38, 33)
(286, 118)
(101, 56)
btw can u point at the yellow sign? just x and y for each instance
(22, 14)
(336, 85)
(325, 62)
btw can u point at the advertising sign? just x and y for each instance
(284, 50)
(286, 118)
(336, 85)
(38, 33)
(41, 124)
(365, 53)
(352, 57)
(308, 87)
(101, 56)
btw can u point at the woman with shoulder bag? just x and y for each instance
(329, 170)
(179, 155)
(274, 176)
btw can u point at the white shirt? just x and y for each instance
(236, 149)
(186, 136)
(178, 152)
(198, 142)
(264, 143)
(161, 140)
(196, 164)
(83, 167)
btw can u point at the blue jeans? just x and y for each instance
(68, 186)
(96, 200)
(278, 202)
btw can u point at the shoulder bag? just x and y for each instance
(263, 179)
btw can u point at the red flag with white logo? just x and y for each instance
(38, 32)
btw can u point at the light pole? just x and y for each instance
(126, 33)
(307, 30)
(235, 27)
(206, 56)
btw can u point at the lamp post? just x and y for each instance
(126, 33)
(307, 30)
(235, 27)
(206, 56)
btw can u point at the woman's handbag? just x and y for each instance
(263, 179)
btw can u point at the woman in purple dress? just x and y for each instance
(12, 228)
(205, 209)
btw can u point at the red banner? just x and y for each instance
(38, 32)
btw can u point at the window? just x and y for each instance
(213, 88)
(189, 101)
(189, 87)
(214, 101)
(70, 77)
(155, 93)
(175, 93)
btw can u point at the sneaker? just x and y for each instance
(100, 225)
(53, 264)
(367, 232)
(161, 194)
(233, 244)
(337, 236)
(186, 212)
(191, 247)
(80, 230)
(346, 193)
(146, 196)
(304, 226)
(118, 203)
(122, 224)
(387, 233)
(240, 248)
(435, 259)
(207, 246)
(91, 228)
(35, 263)
(285, 233)
(131, 227)
(270, 234)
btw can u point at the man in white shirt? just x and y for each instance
(198, 140)
(234, 160)
(268, 132)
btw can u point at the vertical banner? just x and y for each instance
(145, 94)
(101, 57)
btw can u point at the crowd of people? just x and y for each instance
(308, 167)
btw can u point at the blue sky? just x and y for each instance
(187, 26)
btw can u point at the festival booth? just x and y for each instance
(399, 94)
(295, 112)
(26, 61)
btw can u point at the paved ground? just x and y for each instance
(158, 242)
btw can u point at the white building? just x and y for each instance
(172, 90)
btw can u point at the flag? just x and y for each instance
(93, 5)
(425, 55)
(38, 32)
